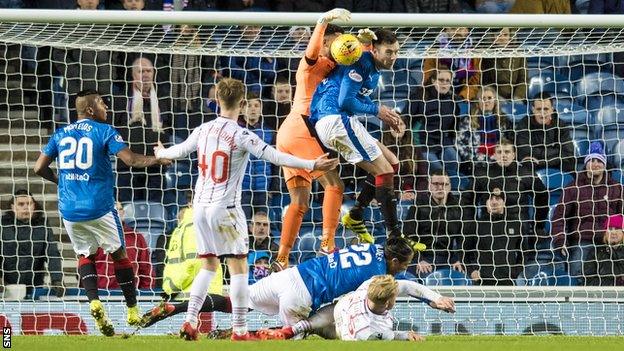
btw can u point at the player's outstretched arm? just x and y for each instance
(316, 40)
(254, 145)
(180, 150)
(42, 168)
(421, 292)
(140, 161)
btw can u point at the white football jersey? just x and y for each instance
(223, 149)
(355, 321)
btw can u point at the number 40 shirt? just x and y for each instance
(85, 173)
(223, 149)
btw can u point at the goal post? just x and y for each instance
(46, 56)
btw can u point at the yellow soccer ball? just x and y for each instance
(346, 49)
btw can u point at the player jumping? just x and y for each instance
(297, 137)
(86, 202)
(297, 291)
(223, 149)
(365, 313)
(335, 106)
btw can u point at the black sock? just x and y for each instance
(88, 277)
(387, 203)
(180, 307)
(219, 303)
(213, 302)
(125, 279)
(364, 198)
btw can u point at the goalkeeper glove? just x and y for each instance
(335, 14)
(366, 35)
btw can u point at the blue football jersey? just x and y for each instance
(331, 276)
(85, 173)
(347, 90)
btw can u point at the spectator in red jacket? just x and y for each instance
(580, 218)
(138, 254)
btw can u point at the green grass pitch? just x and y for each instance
(434, 343)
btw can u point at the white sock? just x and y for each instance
(301, 327)
(239, 295)
(199, 289)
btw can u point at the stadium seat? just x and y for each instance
(618, 154)
(575, 67)
(178, 175)
(307, 246)
(447, 277)
(515, 110)
(610, 125)
(542, 62)
(618, 176)
(571, 112)
(464, 108)
(595, 103)
(148, 218)
(545, 276)
(598, 83)
(554, 179)
(547, 81)
(403, 208)
(581, 146)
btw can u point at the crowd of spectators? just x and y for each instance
(469, 178)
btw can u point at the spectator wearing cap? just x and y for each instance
(580, 218)
(259, 267)
(494, 255)
(27, 245)
(606, 268)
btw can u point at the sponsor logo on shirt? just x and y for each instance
(76, 176)
(118, 138)
(365, 92)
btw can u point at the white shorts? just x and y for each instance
(283, 293)
(348, 137)
(105, 232)
(220, 231)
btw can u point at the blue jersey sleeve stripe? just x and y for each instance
(119, 228)
(346, 122)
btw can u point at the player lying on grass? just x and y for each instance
(295, 292)
(223, 149)
(86, 201)
(365, 313)
(336, 105)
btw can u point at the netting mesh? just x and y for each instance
(279, 41)
(450, 124)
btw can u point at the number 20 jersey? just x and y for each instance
(85, 173)
(332, 276)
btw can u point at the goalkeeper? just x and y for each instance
(296, 137)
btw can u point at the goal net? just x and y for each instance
(523, 115)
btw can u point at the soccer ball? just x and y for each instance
(346, 49)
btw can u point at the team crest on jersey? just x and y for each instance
(118, 138)
(355, 76)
